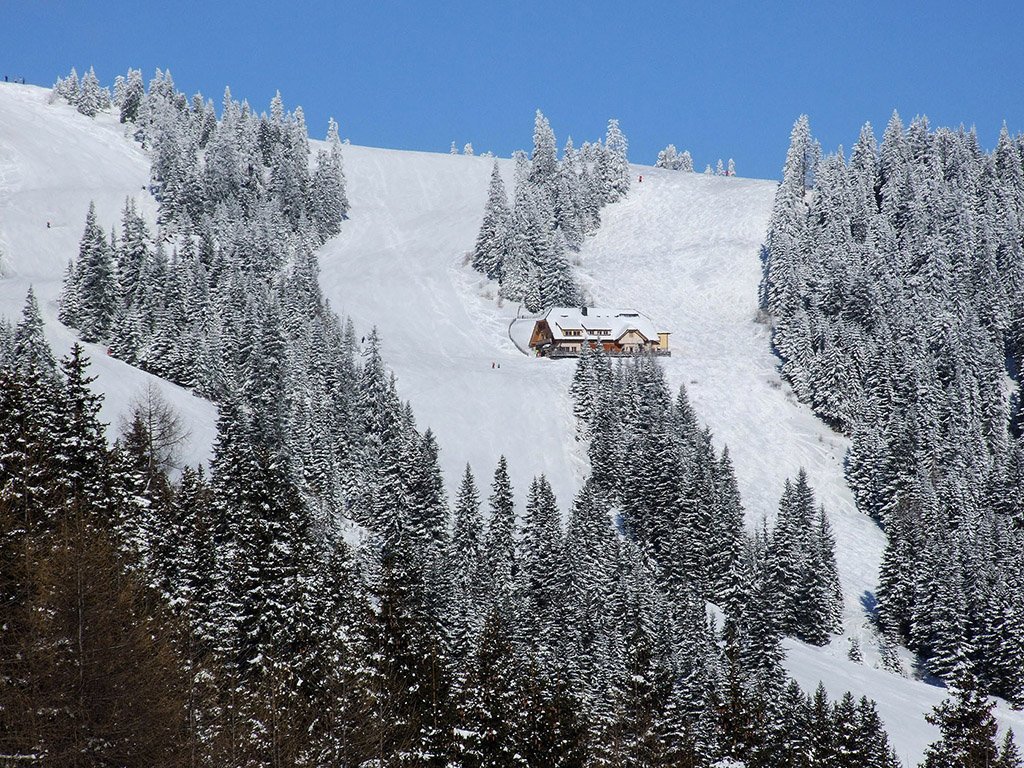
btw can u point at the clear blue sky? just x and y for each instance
(720, 78)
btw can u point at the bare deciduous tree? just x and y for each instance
(155, 430)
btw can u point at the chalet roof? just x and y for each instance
(616, 322)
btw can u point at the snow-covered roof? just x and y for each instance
(595, 323)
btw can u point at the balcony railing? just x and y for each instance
(610, 353)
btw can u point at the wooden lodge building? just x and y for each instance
(564, 332)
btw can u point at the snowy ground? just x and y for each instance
(53, 162)
(683, 248)
(400, 265)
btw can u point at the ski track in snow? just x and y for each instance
(682, 248)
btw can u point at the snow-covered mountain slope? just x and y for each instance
(685, 249)
(53, 162)
(400, 265)
(682, 248)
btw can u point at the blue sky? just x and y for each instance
(720, 78)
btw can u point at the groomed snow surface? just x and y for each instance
(682, 248)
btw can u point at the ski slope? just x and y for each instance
(682, 248)
(399, 265)
(53, 162)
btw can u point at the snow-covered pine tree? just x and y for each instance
(493, 238)
(6, 336)
(499, 542)
(590, 563)
(570, 216)
(67, 88)
(134, 91)
(133, 253)
(618, 176)
(669, 158)
(727, 532)
(544, 158)
(464, 570)
(428, 525)
(1009, 754)
(556, 282)
(328, 203)
(801, 559)
(92, 99)
(96, 280)
(492, 723)
(29, 351)
(967, 727)
(539, 580)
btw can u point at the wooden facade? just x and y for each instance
(566, 332)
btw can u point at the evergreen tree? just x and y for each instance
(134, 91)
(669, 158)
(499, 546)
(406, 689)
(538, 583)
(328, 203)
(490, 729)
(29, 350)
(96, 282)
(618, 176)
(92, 99)
(967, 728)
(1009, 755)
(544, 158)
(67, 87)
(591, 555)
(492, 241)
(465, 572)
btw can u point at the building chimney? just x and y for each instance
(584, 311)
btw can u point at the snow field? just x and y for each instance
(53, 162)
(682, 248)
(399, 265)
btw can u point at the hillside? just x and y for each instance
(53, 162)
(683, 248)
